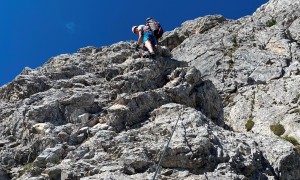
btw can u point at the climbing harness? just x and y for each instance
(166, 147)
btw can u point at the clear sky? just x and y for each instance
(32, 31)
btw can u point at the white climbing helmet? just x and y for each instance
(133, 28)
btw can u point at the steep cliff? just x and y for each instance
(253, 62)
(225, 92)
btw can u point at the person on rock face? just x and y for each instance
(146, 37)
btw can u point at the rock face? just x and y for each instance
(252, 61)
(222, 92)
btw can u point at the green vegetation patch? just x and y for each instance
(249, 125)
(234, 48)
(291, 140)
(271, 22)
(277, 129)
(294, 142)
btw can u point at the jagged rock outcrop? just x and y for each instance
(253, 62)
(223, 94)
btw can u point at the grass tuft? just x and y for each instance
(277, 129)
(271, 22)
(249, 125)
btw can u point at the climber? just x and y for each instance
(146, 38)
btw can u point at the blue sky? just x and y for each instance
(32, 31)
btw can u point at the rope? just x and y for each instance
(164, 152)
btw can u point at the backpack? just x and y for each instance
(155, 27)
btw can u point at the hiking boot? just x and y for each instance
(153, 55)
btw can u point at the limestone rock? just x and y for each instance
(215, 92)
